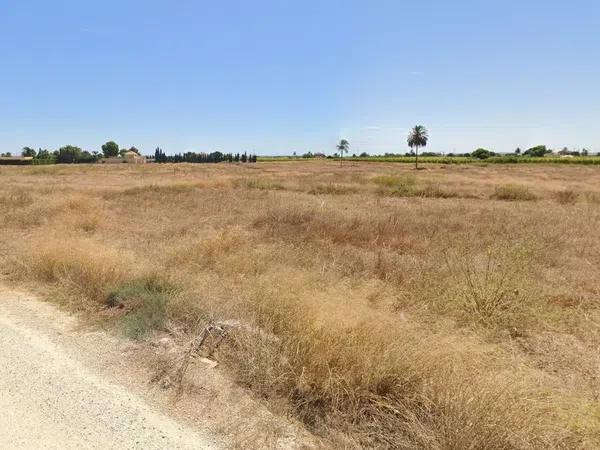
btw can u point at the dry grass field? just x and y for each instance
(451, 307)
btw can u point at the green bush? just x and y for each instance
(145, 302)
(16, 162)
(482, 153)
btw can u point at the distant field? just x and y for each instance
(452, 307)
(586, 160)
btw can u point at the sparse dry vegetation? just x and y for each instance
(513, 192)
(381, 306)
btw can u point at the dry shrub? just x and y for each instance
(18, 199)
(154, 190)
(431, 190)
(512, 192)
(208, 253)
(349, 229)
(261, 184)
(495, 287)
(77, 204)
(566, 197)
(82, 267)
(395, 181)
(90, 224)
(592, 197)
(332, 189)
(407, 186)
(386, 384)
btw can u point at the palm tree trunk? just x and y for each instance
(417, 157)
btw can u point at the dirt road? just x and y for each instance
(55, 395)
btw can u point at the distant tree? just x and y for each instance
(585, 152)
(417, 138)
(294, 154)
(245, 157)
(518, 151)
(110, 149)
(134, 150)
(363, 155)
(28, 151)
(538, 150)
(6, 155)
(68, 154)
(482, 153)
(343, 147)
(159, 156)
(43, 154)
(308, 155)
(86, 157)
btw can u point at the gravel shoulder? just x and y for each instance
(56, 395)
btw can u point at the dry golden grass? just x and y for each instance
(381, 306)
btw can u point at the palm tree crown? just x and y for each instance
(418, 137)
(343, 147)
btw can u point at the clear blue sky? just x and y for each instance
(280, 76)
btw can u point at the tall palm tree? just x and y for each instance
(417, 138)
(343, 147)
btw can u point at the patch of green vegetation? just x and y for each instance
(145, 302)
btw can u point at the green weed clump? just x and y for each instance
(145, 302)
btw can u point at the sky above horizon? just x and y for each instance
(274, 77)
